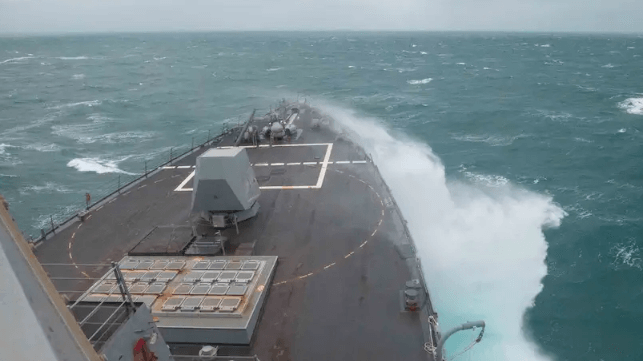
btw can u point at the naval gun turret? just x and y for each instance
(225, 189)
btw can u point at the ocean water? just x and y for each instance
(516, 158)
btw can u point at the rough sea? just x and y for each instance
(517, 159)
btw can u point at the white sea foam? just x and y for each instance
(622, 130)
(406, 70)
(78, 76)
(626, 254)
(632, 105)
(95, 165)
(609, 66)
(42, 147)
(545, 46)
(273, 69)
(461, 64)
(88, 103)
(422, 81)
(4, 146)
(423, 53)
(48, 187)
(72, 57)
(16, 60)
(483, 250)
(493, 140)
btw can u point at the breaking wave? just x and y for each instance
(273, 69)
(632, 105)
(78, 76)
(15, 60)
(422, 81)
(96, 165)
(482, 248)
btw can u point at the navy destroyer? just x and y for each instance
(275, 240)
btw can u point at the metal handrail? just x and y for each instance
(72, 215)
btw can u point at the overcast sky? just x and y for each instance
(55, 16)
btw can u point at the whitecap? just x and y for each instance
(493, 140)
(626, 254)
(632, 105)
(4, 146)
(351, 66)
(161, 58)
(78, 76)
(413, 45)
(41, 147)
(583, 140)
(72, 57)
(89, 103)
(273, 69)
(96, 165)
(622, 130)
(15, 60)
(424, 53)
(609, 66)
(545, 46)
(406, 70)
(422, 81)
(48, 187)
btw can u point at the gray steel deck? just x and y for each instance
(336, 290)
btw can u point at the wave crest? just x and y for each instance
(421, 81)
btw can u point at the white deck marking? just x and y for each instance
(184, 167)
(320, 180)
(185, 181)
(324, 167)
(143, 186)
(359, 162)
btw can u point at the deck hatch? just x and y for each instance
(200, 289)
(237, 290)
(166, 276)
(159, 264)
(104, 287)
(193, 276)
(138, 288)
(191, 303)
(201, 265)
(183, 289)
(218, 265)
(244, 276)
(150, 276)
(173, 303)
(233, 265)
(250, 265)
(218, 290)
(209, 304)
(148, 300)
(156, 288)
(210, 276)
(226, 276)
(175, 265)
(129, 264)
(145, 265)
(229, 304)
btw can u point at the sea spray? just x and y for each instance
(482, 249)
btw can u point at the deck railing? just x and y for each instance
(68, 213)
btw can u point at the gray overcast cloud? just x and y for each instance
(55, 16)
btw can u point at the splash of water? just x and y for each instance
(482, 249)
